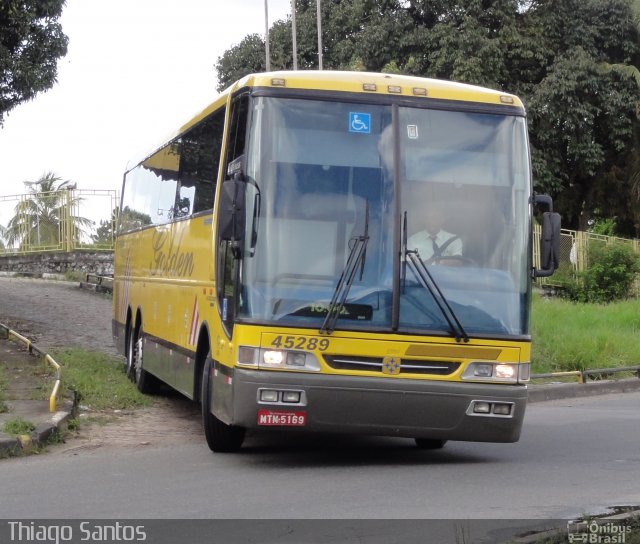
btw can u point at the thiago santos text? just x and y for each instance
(84, 532)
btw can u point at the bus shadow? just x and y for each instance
(314, 450)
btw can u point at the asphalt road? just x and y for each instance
(575, 456)
(56, 314)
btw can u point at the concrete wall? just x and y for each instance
(100, 263)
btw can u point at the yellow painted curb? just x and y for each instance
(25, 441)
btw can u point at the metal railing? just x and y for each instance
(584, 375)
(574, 254)
(6, 332)
(65, 220)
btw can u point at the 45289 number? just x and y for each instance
(308, 343)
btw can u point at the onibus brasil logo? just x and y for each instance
(598, 532)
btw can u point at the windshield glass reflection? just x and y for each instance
(324, 173)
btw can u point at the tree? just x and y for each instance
(242, 59)
(39, 220)
(362, 34)
(574, 63)
(31, 42)
(582, 115)
(105, 233)
(132, 219)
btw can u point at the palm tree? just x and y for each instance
(44, 219)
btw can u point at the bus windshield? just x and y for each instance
(344, 181)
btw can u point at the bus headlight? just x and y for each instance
(506, 372)
(272, 358)
(492, 372)
(277, 359)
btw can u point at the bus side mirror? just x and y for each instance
(549, 241)
(231, 222)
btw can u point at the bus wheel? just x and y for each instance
(430, 443)
(221, 438)
(145, 382)
(130, 356)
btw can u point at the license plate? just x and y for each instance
(273, 418)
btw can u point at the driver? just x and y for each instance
(435, 244)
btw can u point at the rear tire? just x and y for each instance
(146, 383)
(221, 438)
(429, 443)
(130, 353)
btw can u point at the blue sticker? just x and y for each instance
(360, 122)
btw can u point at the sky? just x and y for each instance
(133, 73)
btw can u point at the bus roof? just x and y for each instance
(367, 83)
(360, 82)
(375, 83)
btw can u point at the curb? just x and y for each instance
(541, 393)
(11, 445)
(535, 538)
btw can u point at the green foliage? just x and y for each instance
(573, 62)
(611, 271)
(74, 275)
(605, 226)
(18, 426)
(610, 274)
(98, 380)
(105, 233)
(576, 336)
(3, 386)
(39, 220)
(242, 59)
(31, 42)
(132, 219)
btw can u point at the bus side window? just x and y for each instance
(238, 128)
(199, 161)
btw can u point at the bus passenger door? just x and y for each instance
(230, 217)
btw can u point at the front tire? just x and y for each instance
(221, 438)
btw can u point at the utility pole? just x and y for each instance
(293, 34)
(266, 35)
(319, 17)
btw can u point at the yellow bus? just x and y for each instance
(337, 252)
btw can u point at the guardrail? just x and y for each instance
(584, 375)
(10, 334)
(100, 284)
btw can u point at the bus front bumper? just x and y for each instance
(401, 407)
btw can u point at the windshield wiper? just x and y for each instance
(425, 278)
(357, 255)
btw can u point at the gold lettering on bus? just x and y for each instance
(168, 258)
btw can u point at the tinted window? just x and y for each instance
(199, 163)
(176, 181)
(150, 190)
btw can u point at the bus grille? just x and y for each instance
(374, 364)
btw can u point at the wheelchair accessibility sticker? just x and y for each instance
(360, 122)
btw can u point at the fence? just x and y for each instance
(84, 219)
(65, 220)
(573, 252)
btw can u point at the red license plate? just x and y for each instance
(273, 418)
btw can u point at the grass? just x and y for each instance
(98, 380)
(574, 336)
(566, 336)
(3, 387)
(628, 531)
(75, 275)
(18, 426)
